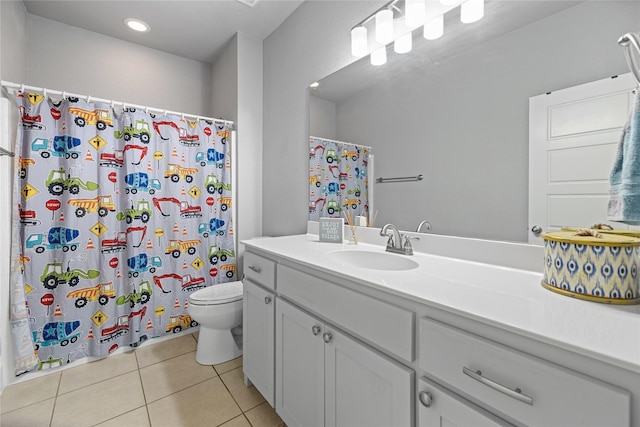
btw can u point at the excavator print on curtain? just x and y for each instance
(120, 215)
(338, 181)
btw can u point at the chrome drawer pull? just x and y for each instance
(256, 269)
(516, 394)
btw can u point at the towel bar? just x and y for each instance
(4, 152)
(401, 179)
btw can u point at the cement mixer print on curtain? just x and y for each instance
(121, 214)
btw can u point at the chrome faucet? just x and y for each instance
(423, 227)
(397, 242)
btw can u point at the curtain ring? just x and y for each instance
(182, 115)
(146, 109)
(113, 104)
(64, 95)
(44, 92)
(89, 99)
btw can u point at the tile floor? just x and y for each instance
(156, 385)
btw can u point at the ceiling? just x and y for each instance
(197, 30)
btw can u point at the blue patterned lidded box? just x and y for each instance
(602, 268)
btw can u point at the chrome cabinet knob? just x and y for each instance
(425, 398)
(315, 329)
(327, 337)
(536, 230)
(267, 300)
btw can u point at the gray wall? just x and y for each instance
(68, 58)
(312, 43)
(464, 125)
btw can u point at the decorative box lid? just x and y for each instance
(596, 238)
(618, 231)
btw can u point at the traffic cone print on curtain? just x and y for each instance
(338, 180)
(119, 213)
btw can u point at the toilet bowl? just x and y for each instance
(218, 310)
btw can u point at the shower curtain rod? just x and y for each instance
(90, 98)
(341, 142)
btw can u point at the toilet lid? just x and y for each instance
(217, 294)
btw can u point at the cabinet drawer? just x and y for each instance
(387, 325)
(528, 389)
(260, 269)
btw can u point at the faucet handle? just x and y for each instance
(408, 249)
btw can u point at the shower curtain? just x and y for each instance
(120, 214)
(338, 181)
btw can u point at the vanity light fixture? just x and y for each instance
(471, 11)
(403, 44)
(408, 15)
(414, 13)
(379, 56)
(136, 25)
(434, 29)
(384, 26)
(359, 41)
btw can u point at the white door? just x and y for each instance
(259, 339)
(439, 408)
(573, 138)
(299, 367)
(363, 387)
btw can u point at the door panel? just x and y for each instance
(363, 387)
(573, 138)
(299, 367)
(259, 345)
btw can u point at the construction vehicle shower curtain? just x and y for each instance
(338, 181)
(120, 214)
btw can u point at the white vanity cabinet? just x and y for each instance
(523, 388)
(325, 378)
(438, 406)
(258, 320)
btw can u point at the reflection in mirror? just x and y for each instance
(456, 109)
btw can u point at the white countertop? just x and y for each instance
(508, 298)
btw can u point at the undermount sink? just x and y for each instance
(373, 260)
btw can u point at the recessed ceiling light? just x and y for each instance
(249, 2)
(137, 25)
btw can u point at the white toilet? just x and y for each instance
(218, 309)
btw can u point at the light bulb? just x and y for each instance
(434, 29)
(136, 24)
(384, 26)
(414, 13)
(403, 44)
(359, 41)
(379, 56)
(471, 11)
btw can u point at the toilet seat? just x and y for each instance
(223, 293)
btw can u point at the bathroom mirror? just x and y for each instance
(456, 109)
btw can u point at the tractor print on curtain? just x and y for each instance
(120, 216)
(338, 181)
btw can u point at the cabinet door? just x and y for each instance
(438, 407)
(258, 331)
(299, 367)
(363, 387)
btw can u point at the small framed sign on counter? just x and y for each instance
(331, 229)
